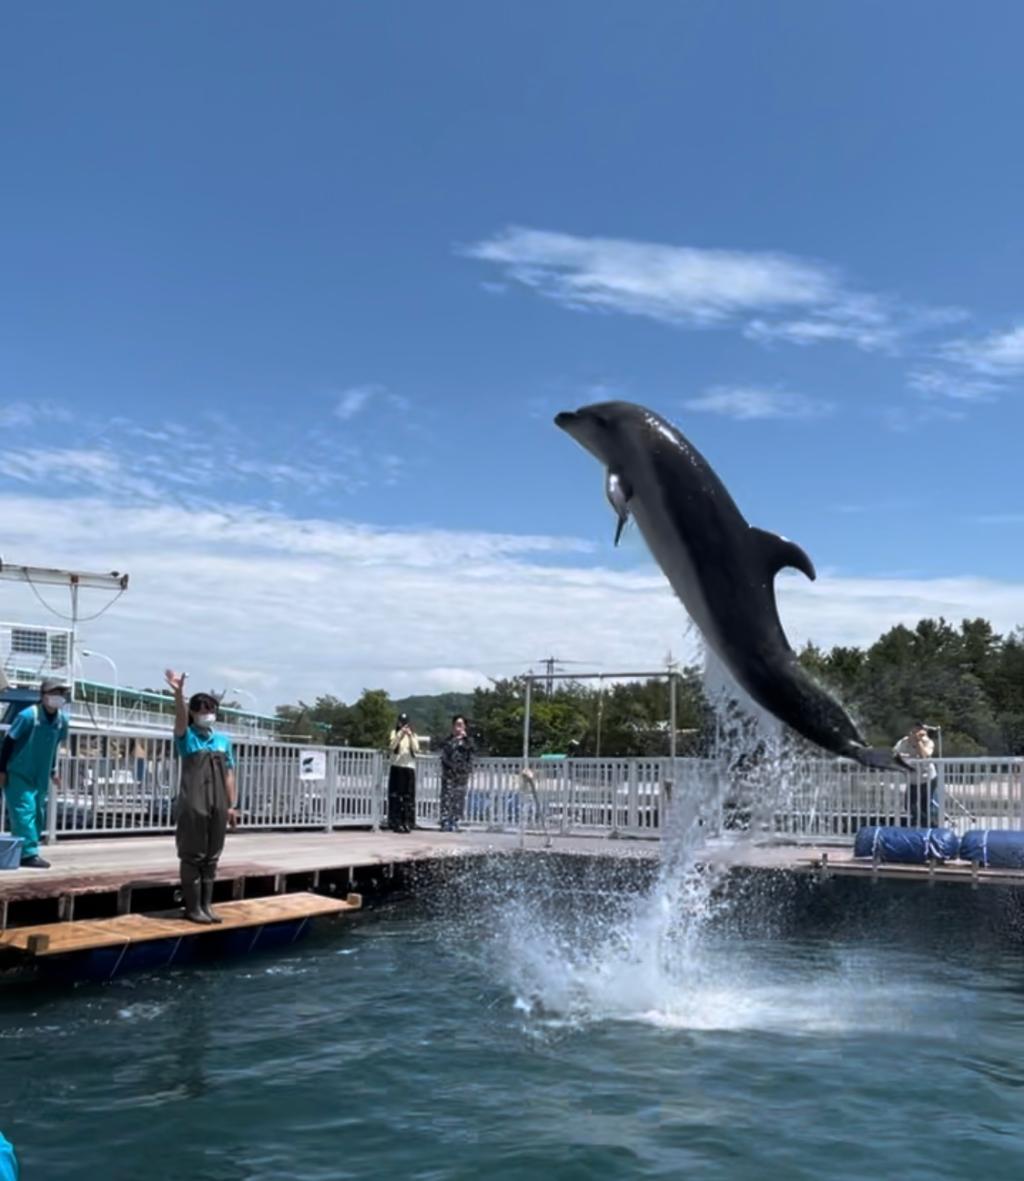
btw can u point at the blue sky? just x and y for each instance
(291, 294)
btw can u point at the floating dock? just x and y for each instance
(104, 948)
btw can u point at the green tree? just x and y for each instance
(371, 720)
(498, 717)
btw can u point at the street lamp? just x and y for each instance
(113, 666)
(255, 703)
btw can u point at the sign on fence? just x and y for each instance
(312, 764)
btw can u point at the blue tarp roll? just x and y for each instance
(993, 847)
(907, 846)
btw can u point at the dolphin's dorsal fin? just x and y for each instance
(777, 552)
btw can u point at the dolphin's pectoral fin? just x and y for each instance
(777, 552)
(881, 760)
(618, 493)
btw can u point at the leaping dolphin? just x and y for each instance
(722, 569)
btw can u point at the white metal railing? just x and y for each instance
(617, 796)
(123, 782)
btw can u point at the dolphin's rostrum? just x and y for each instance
(721, 568)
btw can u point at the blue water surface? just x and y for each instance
(403, 1045)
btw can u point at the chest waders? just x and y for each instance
(202, 809)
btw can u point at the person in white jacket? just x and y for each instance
(404, 746)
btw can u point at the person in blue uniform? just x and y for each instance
(8, 1161)
(28, 762)
(206, 797)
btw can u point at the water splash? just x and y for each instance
(575, 957)
(660, 956)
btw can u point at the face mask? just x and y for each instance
(55, 701)
(205, 721)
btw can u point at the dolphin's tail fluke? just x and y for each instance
(880, 760)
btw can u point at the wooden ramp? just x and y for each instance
(52, 939)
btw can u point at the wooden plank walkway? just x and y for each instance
(50, 939)
(112, 864)
(106, 863)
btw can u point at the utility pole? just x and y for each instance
(549, 684)
(551, 664)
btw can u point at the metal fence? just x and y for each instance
(119, 782)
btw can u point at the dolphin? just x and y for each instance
(722, 569)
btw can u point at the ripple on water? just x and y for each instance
(456, 1048)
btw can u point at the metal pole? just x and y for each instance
(672, 718)
(117, 688)
(255, 703)
(74, 631)
(527, 702)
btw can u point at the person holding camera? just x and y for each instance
(918, 747)
(404, 747)
(456, 766)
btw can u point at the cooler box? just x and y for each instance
(994, 848)
(907, 846)
(10, 852)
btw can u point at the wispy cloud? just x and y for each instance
(156, 461)
(31, 413)
(353, 400)
(938, 383)
(676, 284)
(1000, 354)
(266, 600)
(753, 402)
(771, 296)
(870, 333)
(99, 470)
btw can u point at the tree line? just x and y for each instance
(968, 679)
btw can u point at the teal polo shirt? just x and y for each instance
(8, 1161)
(36, 736)
(193, 741)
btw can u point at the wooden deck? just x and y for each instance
(48, 939)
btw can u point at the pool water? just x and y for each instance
(505, 1037)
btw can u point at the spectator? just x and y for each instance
(206, 797)
(456, 766)
(917, 747)
(404, 747)
(28, 762)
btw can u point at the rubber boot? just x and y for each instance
(190, 885)
(207, 907)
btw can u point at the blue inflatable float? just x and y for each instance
(907, 846)
(994, 848)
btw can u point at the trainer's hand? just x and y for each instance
(232, 817)
(175, 680)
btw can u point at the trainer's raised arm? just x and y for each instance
(177, 684)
